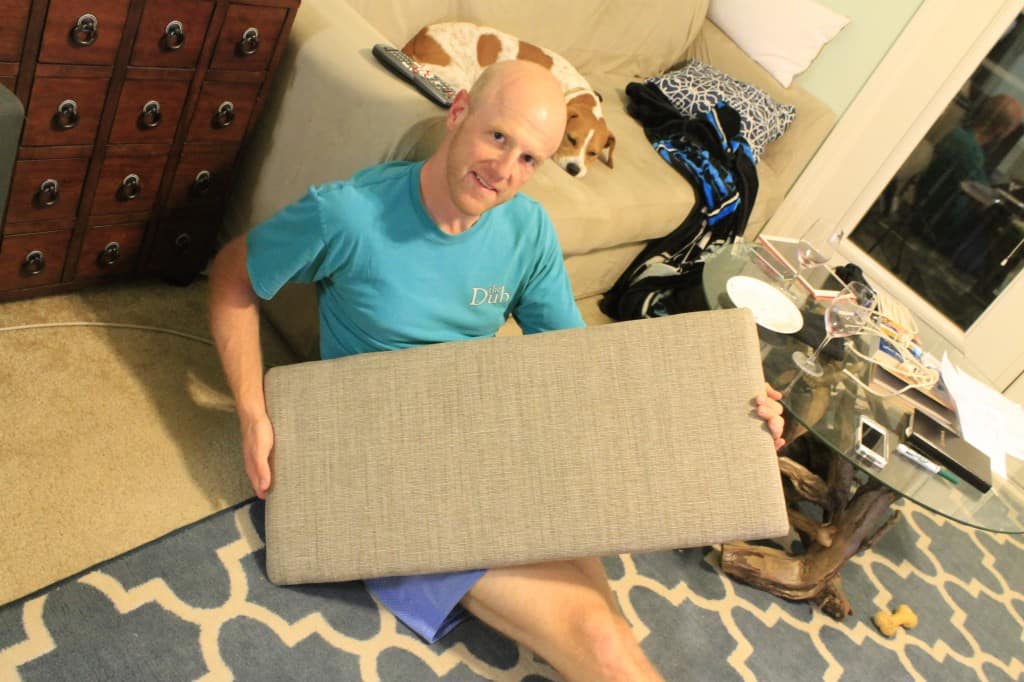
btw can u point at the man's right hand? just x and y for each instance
(235, 323)
(257, 445)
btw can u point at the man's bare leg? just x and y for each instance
(558, 611)
(594, 570)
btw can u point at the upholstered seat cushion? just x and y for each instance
(635, 436)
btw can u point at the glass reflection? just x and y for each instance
(950, 224)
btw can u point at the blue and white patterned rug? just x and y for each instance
(196, 605)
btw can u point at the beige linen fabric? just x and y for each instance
(627, 437)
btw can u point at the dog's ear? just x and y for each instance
(609, 147)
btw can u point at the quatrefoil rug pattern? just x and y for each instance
(196, 605)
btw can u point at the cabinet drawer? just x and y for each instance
(64, 111)
(223, 112)
(110, 250)
(128, 182)
(148, 110)
(182, 247)
(44, 190)
(12, 28)
(33, 260)
(202, 176)
(171, 33)
(248, 37)
(83, 31)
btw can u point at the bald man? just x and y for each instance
(407, 254)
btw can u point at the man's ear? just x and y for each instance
(609, 147)
(457, 111)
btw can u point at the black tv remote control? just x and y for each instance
(430, 84)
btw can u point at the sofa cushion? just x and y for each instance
(790, 153)
(521, 449)
(696, 88)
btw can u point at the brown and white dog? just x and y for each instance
(459, 51)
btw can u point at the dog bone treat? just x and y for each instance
(888, 623)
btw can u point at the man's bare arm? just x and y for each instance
(234, 321)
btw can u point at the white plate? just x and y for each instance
(771, 307)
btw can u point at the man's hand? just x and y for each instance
(770, 410)
(257, 444)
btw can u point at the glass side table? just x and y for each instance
(819, 465)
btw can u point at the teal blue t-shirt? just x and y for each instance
(387, 277)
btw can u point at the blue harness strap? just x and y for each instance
(719, 191)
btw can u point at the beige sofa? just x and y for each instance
(335, 110)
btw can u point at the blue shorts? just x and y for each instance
(428, 604)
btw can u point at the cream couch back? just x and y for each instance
(632, 37)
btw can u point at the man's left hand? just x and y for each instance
(770, 410)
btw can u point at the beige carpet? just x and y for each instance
(110, 438)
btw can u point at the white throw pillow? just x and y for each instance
(783, 36)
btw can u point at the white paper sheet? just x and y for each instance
(989, 420)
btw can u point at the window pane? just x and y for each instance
(951, 222)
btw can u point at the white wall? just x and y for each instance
(843, 66)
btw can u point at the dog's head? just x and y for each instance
(586, 135)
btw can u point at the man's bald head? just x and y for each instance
(528, 87)
(498, 134)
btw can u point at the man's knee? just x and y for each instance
(608, 641)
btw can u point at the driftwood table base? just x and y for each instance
(852, 518)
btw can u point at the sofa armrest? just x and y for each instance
(787, 155)
(332, 110)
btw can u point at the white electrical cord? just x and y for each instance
(115, 325)
(914, 373)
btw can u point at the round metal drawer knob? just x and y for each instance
(183, 242)
(34, 263)
(202, 183)
(250, 41)
(174, 35)
(110, 254)
(225, 115)
(130, 187)
(49, 192)
(86, 30)
(150, 116)
(67, 114)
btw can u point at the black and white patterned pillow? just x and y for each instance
(695, 88)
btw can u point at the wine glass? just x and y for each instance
(847, 314)
(811, 252)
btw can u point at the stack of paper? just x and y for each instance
(989, 420)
